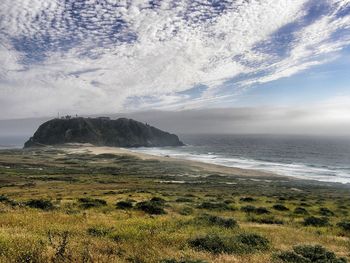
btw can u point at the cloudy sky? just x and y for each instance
(277, 57)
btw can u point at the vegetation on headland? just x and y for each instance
(101, 131)
(60, 207)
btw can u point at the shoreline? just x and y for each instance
(198, 165)
(216, 168)
(204, 166)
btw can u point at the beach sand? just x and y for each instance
(91, 149)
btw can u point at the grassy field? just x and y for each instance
(60, 207)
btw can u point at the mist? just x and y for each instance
(313, 120)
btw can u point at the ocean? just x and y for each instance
(12, 141)
(307, 157)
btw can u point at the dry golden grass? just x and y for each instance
(71, 233)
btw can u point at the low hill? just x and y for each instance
(101, 132)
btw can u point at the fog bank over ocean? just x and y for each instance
(303, 142)
(311, 120)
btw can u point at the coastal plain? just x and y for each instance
(81, 203)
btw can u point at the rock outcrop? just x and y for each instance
(101, 132)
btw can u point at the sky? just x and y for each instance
(265, 57)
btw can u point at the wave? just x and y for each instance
(297, 170)
(7, 147)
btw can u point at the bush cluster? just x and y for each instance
(325, 212)
(300, 211)
(316, 221)
(155, 206)
(255, 210)
(218, 221)
(269, 220)
(40, 204)
(280, 207)
(127, 204)
(308, 254)
(247, 199)
(214, 206)
(4, 199)
(87, 202)
(345, 225)
(241, 244)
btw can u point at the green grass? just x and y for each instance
(59, 207)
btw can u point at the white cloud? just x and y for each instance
(175, 46)
(313, 45)
(329, 117)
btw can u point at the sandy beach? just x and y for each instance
(91, 149)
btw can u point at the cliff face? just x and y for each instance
(102, 132)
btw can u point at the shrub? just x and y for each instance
(300, 211)
(316, 221)
(247, 199)
(308, 254)
(87, 202)
(240, 244)
(249, 242)
(325, 212)
(40, 204)
(345, 225)
(261, 210)
(253, 209)
(219, 221)
(292, 257)
(211, 243)
(99, 231)
(280, 207)
(4, 199)
(124, 204)
(149, 207)
(270, 220)
(214, 206)
(158, 200)
(248, 209)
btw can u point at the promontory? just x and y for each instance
(101, 131)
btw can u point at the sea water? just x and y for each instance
(12, 141)
(307, 157)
